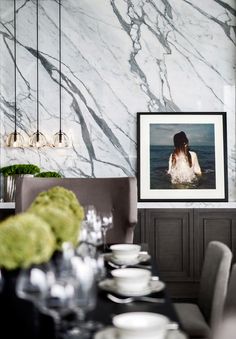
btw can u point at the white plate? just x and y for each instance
(154, 286)
(143, 256)
(110, 333)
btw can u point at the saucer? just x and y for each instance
(143, 256)
(154, 286)
(110, 333)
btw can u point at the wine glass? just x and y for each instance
(88, 250)
(86, 296)
(59, 302)
(31, 285)
(91, 227)
(107, 223)
(62, 261)
(90, 213)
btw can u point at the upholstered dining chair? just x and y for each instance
(199, 319)
(230, 302)
(227, 328)
(118, 195)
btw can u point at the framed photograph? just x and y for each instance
(182, 157)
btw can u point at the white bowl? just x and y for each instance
(140, 325)
(125, 252)
(131, 279)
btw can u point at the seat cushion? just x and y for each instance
(192, 320)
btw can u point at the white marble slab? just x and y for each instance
(119, 58)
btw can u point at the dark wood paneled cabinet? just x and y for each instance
(177, 239)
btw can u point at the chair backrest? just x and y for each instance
(230, 302)
(118, 195)
(214, 281)
(227, 328)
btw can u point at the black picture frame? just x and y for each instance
(163, 176)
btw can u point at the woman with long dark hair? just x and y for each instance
(183, 163)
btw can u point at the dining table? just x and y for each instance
(106, 309)
(20, 318)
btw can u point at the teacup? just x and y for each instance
(125, 253)
(140, 325)
(133, 280)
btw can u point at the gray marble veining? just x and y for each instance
(119, 57)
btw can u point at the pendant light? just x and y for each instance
(37, 139)
(60, 139)
(15, 139)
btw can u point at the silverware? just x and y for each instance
(148, 267)
(131, 299)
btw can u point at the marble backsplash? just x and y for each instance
(119, 57)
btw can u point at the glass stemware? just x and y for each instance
(91, 231)
(59, 302)
(32, 285)
(86, 297)
(107, 223)
(53, 294)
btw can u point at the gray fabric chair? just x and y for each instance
(230, 302)
(227, 328)
(198, 319)
(106, 194)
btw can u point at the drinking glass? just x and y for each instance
(59, 302)
(88, 250)
(62, 261)
(32, 285)
(91, 231)
(90, 213)
(86, 297)
(107, 223)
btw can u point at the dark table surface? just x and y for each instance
(106, 309)
(20, 319)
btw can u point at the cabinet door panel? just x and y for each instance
(169, 236)
(212, 225)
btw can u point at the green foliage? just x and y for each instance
(48, 175)
(19, 169)
(25, 240)
(60, 208)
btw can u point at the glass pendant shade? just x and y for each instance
(60, 139)
(15, 139)
(37, 140)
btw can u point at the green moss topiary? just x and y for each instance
(19, 169)
(60, 208)
(48, 175)
(25, 240)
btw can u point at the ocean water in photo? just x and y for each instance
(159, 158)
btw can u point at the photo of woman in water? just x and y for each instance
(182, 156)
(184, 166)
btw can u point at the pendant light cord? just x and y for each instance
(37, 43)
(60, 132)
(15, 108)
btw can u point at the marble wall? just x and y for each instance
(119, 57)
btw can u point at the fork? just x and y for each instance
(124, 266)
(131, 299)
